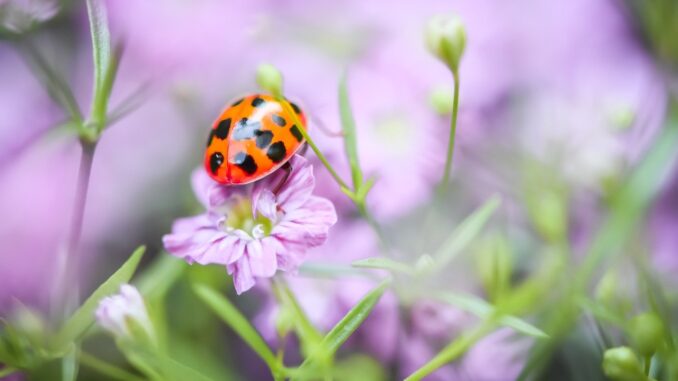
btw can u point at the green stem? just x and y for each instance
(453, 133)
(314, 147)
(107, 369)
(454, 350)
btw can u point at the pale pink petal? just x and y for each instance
(201, 184)
(265, 205)
(299, 185)
(242, 275)
(238, 249)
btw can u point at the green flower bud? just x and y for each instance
(495, 265)
(270, 79)
(621, 364)
(442, 99)
(548, 210)
(446, 39)
(646, 333)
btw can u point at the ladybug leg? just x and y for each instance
(287, 167)
(303, 149)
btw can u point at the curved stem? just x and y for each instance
(314, 147)
(453, 133)
(454, 350)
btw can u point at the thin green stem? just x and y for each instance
(453, 133)
(454, 350)
(313, 146)
(107, 369)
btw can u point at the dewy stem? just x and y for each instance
(453, 133)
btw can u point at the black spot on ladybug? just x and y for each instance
(209, 138)
(239, 101)
(245, 162)
(264, 138)
(215, 161)
(256, 102)
(279, 120)
(246, 129)
(276, 152)
(296, 133)
(295, 107)
(221, 131)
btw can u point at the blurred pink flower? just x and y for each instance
(258, 236)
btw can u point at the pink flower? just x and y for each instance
(254, 235)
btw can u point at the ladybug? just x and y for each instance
(252, 138)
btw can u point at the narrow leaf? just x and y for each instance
(353, 319)
(239, 323)
(343, 330)
(350, 139)
(464, 234)
(484, 310)
(601, 312)
(168, 367)
(56, 86)
(308, 334)
(101, 41)
(384, 264)
(83, 318)
(159, 277)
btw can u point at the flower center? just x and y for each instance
(240, 217)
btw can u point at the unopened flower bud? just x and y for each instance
(549, 214)
(621, 364)
(125, 315)
(646, 333)
(446, 39)
(270, 79)
(442, 100)
(495, 265)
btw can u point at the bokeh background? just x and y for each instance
(560, 101)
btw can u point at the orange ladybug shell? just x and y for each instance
(253, 137)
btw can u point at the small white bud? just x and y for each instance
(446, 39)
(270, 79)
(125, 314)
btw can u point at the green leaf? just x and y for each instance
(353, 319)
(484, 310)
(342, 330)
(601, 312)
(169, 368)
(106, 60)
(464, 234)
(159, 277)
(384, 264)
(56, 87)
(101, 41)
(239, 323)
(308, 334)
(327, 270)
(350, 139)
(83, 318)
